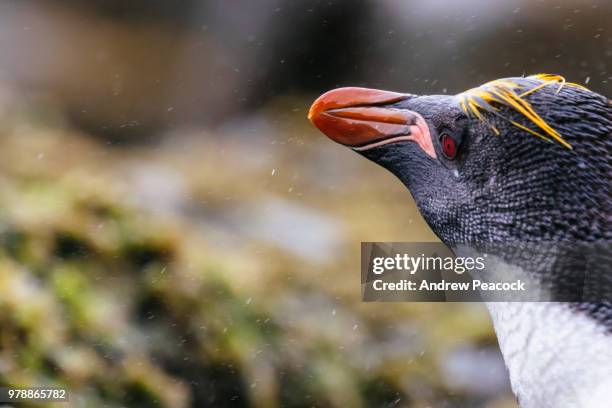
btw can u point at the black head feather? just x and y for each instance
(505, 184)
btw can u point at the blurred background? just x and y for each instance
(174, 233)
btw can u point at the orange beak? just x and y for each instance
(357, 116)
(361, 118)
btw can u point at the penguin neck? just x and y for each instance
(557, 353)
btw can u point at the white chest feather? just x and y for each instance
(557, 357)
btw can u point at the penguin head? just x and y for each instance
(514, 159)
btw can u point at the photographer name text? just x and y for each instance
(409, 285)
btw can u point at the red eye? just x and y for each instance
(449, 147)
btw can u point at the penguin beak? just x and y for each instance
(361, 118)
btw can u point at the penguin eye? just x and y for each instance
(449, 146)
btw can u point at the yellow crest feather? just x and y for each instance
(511, 92)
